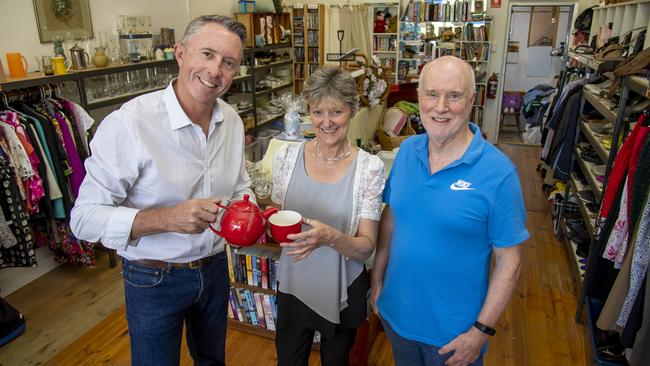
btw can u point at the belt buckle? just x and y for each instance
(194, 264)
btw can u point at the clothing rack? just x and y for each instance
(52, 133)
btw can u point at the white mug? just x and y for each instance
(243, 70)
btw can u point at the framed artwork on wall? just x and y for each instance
(62, 19)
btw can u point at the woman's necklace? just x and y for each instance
(330, 160)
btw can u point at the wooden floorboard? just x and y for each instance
(76, 316)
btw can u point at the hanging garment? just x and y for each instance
(7, 238)
(641, 351)
(639, 265)
(621, 164)
(617, 241)
(640, 185)
(22, 254)
(614, 302)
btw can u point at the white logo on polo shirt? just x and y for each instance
(461, 185)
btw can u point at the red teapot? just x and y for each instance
(243, 222)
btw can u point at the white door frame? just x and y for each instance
(504, 49)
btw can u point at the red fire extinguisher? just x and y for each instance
(492, 85)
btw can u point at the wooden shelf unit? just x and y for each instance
(308, 32)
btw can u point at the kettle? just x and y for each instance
(243, 222)
(78, 56)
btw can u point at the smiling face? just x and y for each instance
(207, 63)
(331, 119)
(445, 95)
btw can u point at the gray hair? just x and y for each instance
(331, 83)
(230, 24)
(469, 71)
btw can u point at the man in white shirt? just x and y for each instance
(159, 166)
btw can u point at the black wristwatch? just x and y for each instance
(484, 328)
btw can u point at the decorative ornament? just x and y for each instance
(374, 85)
(63, 10)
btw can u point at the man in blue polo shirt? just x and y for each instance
(452, 201)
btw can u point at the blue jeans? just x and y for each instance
(413, 353)
(158, 301)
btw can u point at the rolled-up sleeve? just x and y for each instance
(112, 169)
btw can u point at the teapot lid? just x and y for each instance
(76, 48)
(245, 205)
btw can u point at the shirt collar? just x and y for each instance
(470, 156)
(177, 116)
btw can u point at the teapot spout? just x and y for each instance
(268, 212)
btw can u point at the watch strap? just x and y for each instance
(484, 328)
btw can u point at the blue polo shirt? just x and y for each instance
(445, 226)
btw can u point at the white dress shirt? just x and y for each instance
(148, 154)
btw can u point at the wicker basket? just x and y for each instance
(390, 142)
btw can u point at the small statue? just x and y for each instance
(58, 47)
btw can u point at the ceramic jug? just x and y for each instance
(99, 58)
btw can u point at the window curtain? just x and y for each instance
(353, 19)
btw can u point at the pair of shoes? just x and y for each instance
(587, 195)
(612, 352)
(590, 155)
(583, 251)
(598, 169)
(592, 207)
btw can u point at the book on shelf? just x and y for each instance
(259, 311)
(253, 308)
(421, 11)
(268, 312)
(312, 20)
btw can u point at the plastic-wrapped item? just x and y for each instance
(291, 118)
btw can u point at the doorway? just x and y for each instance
(537, 43)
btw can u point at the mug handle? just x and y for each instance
(24, 62)
(68, 64)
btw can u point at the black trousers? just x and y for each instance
(293, 346)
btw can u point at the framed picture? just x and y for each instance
(62, 19)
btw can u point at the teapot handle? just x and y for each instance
(218, 232)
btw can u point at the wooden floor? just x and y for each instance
(76, 316)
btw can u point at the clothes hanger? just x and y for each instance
(5, 101)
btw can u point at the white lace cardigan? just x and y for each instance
(369, 180)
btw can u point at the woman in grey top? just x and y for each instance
(322, 283)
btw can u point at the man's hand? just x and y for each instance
(192, 216)
(467, 347)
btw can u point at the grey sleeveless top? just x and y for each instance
(321, 280)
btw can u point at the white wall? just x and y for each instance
(21, 34)
(516, 77)
(203, 7)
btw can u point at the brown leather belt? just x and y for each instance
(152, 263)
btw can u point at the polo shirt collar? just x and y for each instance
(177, 117)
(471, 155)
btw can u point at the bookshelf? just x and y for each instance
(251, 271)
(308, 29)
(384, 43)
(460, 28)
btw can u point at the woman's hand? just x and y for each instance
(307, 241)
